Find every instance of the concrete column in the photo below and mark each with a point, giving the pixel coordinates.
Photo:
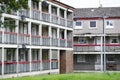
(41, 60)
(65, 16)
(50, 57)
(50, 10)
(65, 35)
(50, 34)
(58, 14)
(58, 59)
(40, 9)
(2, 60)
(17, 30)
(40, 33)
(2, 26)
(101, 53)
(30, 59)
(58, 36)
(29, 31)
(30, 7)
(17, 59)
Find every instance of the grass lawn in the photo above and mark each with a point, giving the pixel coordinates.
(75, 76)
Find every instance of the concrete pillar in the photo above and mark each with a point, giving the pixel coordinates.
(58, 14)
(2, 60)
(65, 16)
(30, 59)
(58, 36)
(101, 53)
(17, 59)
(40, 33)
(50, 56)
(40, 9)
(41, 60)
(65, 35)
(50, 10)
(30, 7)
(29, 31)
(17, 30)
(50, 35)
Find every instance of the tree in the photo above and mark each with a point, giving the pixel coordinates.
(6, 6)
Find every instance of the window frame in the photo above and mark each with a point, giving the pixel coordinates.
(79, 27)
(90, 24)
(114, 38)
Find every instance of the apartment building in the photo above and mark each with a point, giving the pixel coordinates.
(40, 43)
(97, 39)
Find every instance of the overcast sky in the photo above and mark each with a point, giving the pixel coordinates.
(92, 3)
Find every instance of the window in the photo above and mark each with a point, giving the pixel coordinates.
(92, 24)
(78, 25)
(114, 40)
(109, 24)
(82, 40)
(80, 58)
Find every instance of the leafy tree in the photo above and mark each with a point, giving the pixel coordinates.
(6, 6)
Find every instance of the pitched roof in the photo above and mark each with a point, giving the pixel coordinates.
(97, 12)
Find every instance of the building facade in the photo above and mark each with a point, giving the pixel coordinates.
(97, 39)
(40, 43)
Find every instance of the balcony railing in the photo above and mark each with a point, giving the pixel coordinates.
(69, 23)
(10, 67)
(62, 21)
(62, 42)
(54, 42)
(35, 14)
(54, 64)
(35, 40)
(45, 17)
(24, 12)
(45, 40)
(96, 48)
(45, 64)
(23, 66)
(24, 38)
(10, 37)
(54, 19)
(35, 65)
(69, 43)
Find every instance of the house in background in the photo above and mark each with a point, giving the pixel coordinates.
(89, 38)
(41, 42)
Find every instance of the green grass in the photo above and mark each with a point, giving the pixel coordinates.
(75, 76)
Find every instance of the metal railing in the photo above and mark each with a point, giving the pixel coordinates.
(35, 65)
(54, 19)
(24, 38)
(35, 14)
(62, 42)
(24, 12)
(23, 66)
(10, 37)
(10, 67)
(45, 40)
(45, 64)
(45, 17)
(54, 64)
(35, 40)
(54, 42)
(62, 21)
(69, 43)
(69, 23)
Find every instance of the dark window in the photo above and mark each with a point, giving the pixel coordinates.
(92, 23)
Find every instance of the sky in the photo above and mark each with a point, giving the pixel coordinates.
(91, 3)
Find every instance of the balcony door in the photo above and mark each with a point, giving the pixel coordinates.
(98, 43)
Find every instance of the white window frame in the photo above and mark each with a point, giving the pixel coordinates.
(78, 27)
(109, 26)
(80, 58)
(114, 38)
(90, 23)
